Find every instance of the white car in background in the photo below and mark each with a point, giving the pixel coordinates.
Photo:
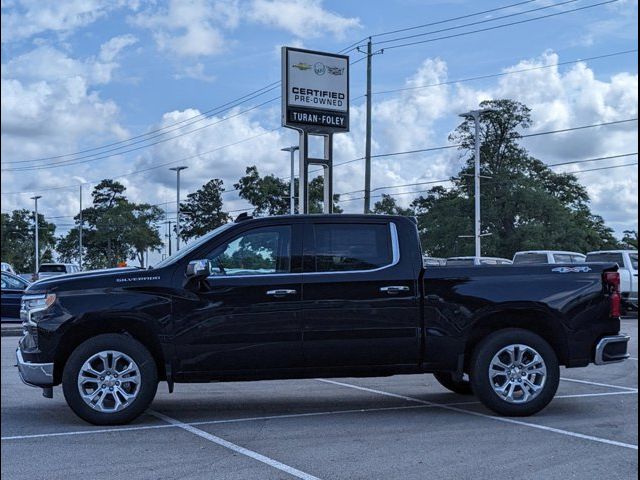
(433, 261)
(547, 256)
(47, 270)
(627, 261)
(471, 261)
(6, 267)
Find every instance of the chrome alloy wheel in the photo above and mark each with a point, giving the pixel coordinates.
(109, 381)
(517, 373)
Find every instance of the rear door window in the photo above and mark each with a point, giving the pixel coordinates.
(634, 260)
(524, 258)
(341, 247)
(562, 258)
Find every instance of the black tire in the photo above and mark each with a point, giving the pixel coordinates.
(447, 380)
(146, 389)
(481, 362)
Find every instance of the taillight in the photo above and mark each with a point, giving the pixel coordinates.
(612, 281)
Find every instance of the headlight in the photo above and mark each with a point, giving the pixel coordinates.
(32, 304)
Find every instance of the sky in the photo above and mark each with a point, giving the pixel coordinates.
(127, 89)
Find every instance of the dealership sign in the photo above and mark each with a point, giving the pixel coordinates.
(315, 91)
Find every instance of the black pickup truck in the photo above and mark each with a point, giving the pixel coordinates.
(308, 296)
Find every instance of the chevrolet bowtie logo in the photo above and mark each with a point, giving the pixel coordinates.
(302, 66)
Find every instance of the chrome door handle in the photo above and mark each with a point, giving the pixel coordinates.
(394, 289)
(283, 292)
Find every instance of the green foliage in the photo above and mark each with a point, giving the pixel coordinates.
(630, 240)
(18, 234)
(202, 212)
(387, 205)
(114, 229)
(525, 204)
(271, 195)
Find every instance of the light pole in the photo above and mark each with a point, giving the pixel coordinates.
(291, 149)
(178, 170)
(475, 114)
(37, 255)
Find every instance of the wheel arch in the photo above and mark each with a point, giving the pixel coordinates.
(539, 322)
(133, 327)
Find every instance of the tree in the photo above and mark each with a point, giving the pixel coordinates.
(114, 229)
(202, 212)
(270, 195)
(630, 240)
(525, 204)
(18, 234)
(388, 206)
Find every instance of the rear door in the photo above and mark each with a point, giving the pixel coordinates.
(360, 300)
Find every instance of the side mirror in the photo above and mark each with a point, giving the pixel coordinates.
(198, 269)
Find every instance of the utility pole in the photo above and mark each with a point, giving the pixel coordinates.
(37, 254)
(169, 222)
(292, 149)
(80, 231)
(178, 170)
(475, 115)
(367, 146)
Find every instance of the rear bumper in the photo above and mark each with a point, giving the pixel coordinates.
(34, 374)
(612, 349)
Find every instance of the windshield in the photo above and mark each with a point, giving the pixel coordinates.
(193, 246)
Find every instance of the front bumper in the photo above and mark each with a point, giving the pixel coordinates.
(612, 349)
(34, 374)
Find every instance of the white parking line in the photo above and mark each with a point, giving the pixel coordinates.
(490, 417)
(236, 448)
(282, 417)
(575, 380)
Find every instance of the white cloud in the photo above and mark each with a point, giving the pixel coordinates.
(195, 72)
(190, 28)
(33, 17)
(303, 18)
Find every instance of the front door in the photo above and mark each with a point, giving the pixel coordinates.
(247, 316)
(360, 295)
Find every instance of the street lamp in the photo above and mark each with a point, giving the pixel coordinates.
(37, 254)
(291, 149)
(475, 114)
(178, 170)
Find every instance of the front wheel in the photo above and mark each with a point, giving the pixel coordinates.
(515, 372)
(109, 379)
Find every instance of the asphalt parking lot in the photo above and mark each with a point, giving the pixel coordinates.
(403, 427)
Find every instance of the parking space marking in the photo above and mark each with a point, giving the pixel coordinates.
(630, 389)
(236, 448)
(284, 416)
(490, 417)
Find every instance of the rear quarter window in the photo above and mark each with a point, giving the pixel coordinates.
(607, 258)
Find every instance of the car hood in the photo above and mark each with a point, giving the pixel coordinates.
(109, 277)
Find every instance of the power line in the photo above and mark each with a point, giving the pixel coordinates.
(439, 22)
(501, 74)
(219, 109)
(479, 22)
(77, 161)
(500, 26)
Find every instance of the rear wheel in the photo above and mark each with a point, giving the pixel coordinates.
(515, 372)
(448, 381)
(109, 379)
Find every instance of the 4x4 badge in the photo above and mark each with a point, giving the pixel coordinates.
(571, 269)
